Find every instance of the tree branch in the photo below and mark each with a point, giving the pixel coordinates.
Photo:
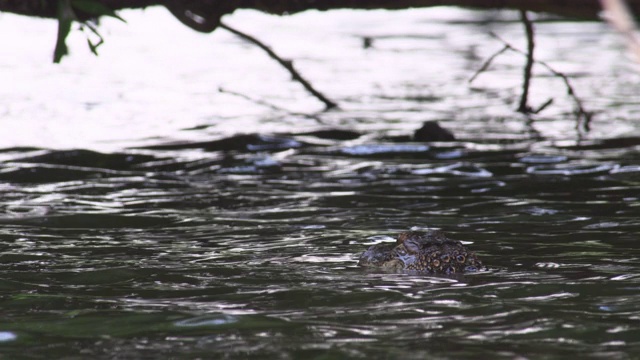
(528, 26)
(287, 64)
(583, 9)
(584, 117)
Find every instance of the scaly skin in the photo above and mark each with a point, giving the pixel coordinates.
(429, 252)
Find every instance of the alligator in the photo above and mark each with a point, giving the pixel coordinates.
(418, 251)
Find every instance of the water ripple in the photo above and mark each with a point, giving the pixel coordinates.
(458, 169)
(374, 149)
(570, 169)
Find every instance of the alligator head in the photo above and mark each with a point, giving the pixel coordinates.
(430, 252)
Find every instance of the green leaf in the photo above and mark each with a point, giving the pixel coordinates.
(94, 7)
(65, 18)
(93, 46)
(64, 27)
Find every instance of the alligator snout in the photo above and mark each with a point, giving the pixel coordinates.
(429, 252)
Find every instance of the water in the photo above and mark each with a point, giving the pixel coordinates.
(113, 246)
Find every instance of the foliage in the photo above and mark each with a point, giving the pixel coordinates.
(66, 13)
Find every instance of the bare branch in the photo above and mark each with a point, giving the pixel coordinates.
(269, 105)
(487, 63)
(584, 116)
(528, 26)
(285, 63)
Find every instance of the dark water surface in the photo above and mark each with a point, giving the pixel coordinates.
(245, 246)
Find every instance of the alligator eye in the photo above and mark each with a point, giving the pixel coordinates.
(446, 258)
(460, 259)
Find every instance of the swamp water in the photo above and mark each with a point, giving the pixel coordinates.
(245, 246)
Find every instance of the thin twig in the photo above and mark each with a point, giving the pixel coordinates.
(487, 63)
(269, 105)
(528, 26)
(543, 106)
(285, 63)
(249, 98)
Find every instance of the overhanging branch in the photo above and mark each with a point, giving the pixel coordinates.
(583, 9)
